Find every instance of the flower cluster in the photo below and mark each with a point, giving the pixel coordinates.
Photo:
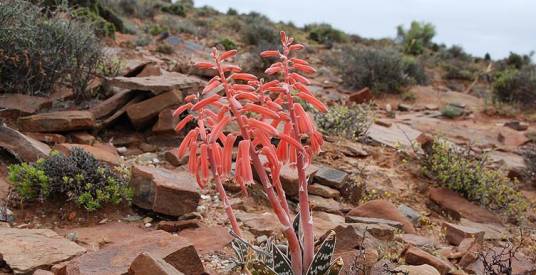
(270, 124)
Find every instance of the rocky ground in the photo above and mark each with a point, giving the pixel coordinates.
(386, 213)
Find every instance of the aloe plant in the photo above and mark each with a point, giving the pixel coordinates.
(259, 109)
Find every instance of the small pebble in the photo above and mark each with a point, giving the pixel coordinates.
(147, 225)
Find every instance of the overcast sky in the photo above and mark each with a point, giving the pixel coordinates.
(480, 26)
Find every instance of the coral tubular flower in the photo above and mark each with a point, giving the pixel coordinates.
(206, 101)
(261, 110)
(227, 54)
(232, 68)
(298, 61)
(191, 136)
(190, 98)
(267, 54)
(296, 47)
(313, 101)
(304, 68)
(211, 86)
(183, 123)
(227, 156)
(243, 76)
(218, 128)
(181, 109)
(261, 125)
(204, 65)
(302, 88)
(300, 78)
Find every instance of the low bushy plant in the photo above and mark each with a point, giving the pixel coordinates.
(227, 44)
(258, 30)
(175, 8)
(459, 69)
(110, 67)
(78, 177)
(325, 34)
(382, 70)
(516, 86)
(417, 38)
(351, 122)
(38, 51)
(456, 169)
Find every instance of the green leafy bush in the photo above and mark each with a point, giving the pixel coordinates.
(458, 69)
(418, 37)
(351, 122)
(175, 8)
(382, 70)
(325, 34)
(456, 169)
(228, 44)
(110, 67)
(30, 44)
(451, 111)
(529, 153)
(258, 30)
(516, 86)
(102, 27)
(78, 177)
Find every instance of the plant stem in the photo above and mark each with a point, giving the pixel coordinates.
(223, 195)
(305, 214)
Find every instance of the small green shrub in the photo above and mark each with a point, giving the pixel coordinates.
(258, 30)
(325, 34)
(516, 86)
(351, 122)
(38, 52)
(155, 29)
(165, 48)
(382, 70)
(529, 153)
(417, 38)
(136, 8)
(408, 96)
(102, 27)
(458, 170)
(451, 111)
(175, 8)
(142, 41)
(517, 61)
(228, 44)
(458, 69)
(78, 177)
(110, 67)
(232, 12)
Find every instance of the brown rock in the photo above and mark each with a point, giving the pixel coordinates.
(470, 253)
(323, 191)
(116, 259)
(150, 69)
(517, 125)
(23, 147)
(176, 226)
(47, 137)
(416, 256)
(157, 84)
(417, 270)
(450, 203)
(260, 223)
(456, 233)
(172, 157)
(24, 104)
(120, 112)
(173, 193)
(382, 209)
(289, 178)
(99, 153)
(42, 272)
(318, 203)
(365, 220)
(82, 138)
(350, 237)
(207, 239)
(365, 258)
(361, 96)
(112, 104)
(142, 113)
(58, 121)
(166, 122)
(25, 250)
(148, 148)
(4, 188)
(146, 264)
(416, 240)
(323, 222)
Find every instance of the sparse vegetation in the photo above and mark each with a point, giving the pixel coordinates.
(258, 30)
(227, 44)
(78, 177)
(516, 86)
(30, 43)
(110, 67)
(325, 34)
(456, 169)
(351, 122)
(382, 70)
(175, 8)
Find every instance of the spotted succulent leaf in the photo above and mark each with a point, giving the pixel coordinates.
(322, 259)
(281, 262)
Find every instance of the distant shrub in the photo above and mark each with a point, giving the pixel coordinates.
(450, 111)
(517, 61)
(529, 154)
(351, 122)
(136, 8)
(232, 12)
(325, 34)
(454, 52)
(418, 37)
(155, 29)
(258, 30)
(458, 69)
(227, 44)
(516, 86)
(165, 48)
(38, 52)
(382, 70)
(458, 170)
(408, 96)
(207, 11)
(175, 8)
(78, 177)
(102, 27)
